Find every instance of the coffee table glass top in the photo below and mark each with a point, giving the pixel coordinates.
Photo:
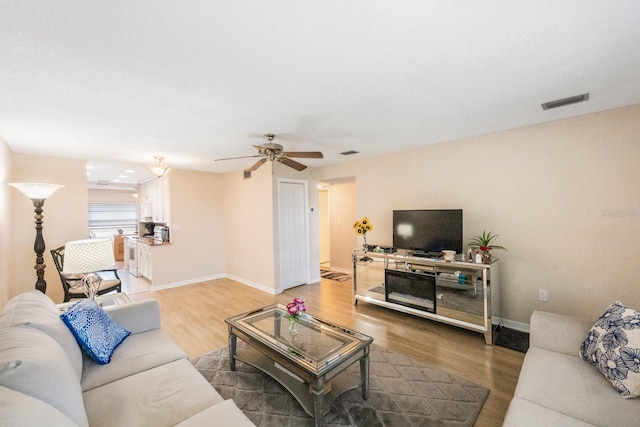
(318, 343)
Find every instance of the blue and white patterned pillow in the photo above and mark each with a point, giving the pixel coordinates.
(96, 332)
(613, 347)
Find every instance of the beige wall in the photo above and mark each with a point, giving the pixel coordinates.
(65, 217)
(111, 196)
(565, 197)
(6, 225)
(249, 231)
(342, 215)
(197, 230)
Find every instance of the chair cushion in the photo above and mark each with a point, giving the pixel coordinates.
(613, 347)
(96, 332)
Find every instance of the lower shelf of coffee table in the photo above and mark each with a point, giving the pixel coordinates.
(299, 388)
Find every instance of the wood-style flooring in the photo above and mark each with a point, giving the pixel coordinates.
(194, 316)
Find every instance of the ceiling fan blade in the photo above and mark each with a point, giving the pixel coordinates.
(256, 165)
(305, 154)
(292, 164)
(233, 158)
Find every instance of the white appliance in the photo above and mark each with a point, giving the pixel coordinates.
(132, 256)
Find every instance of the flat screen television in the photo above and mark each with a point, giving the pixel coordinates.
(429, 231)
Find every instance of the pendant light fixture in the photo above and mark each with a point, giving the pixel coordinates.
(158, 168)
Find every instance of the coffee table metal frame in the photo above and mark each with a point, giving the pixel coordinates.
(311, 365)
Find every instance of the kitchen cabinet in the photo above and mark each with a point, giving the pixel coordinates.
(144, 260)
(154, 199)
(118, 247)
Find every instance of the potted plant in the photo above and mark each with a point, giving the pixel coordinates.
(484, 243)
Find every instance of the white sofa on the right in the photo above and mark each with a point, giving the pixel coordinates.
(558, 388)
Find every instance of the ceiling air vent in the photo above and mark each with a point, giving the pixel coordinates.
(565, 101)
(350, 152)
(103, 182)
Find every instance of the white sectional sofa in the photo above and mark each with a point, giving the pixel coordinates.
(558, 388)
(46, 379)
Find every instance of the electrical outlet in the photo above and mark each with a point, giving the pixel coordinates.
(542, 295)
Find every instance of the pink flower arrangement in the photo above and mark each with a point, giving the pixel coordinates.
(296, 308)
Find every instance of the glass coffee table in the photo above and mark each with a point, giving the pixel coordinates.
(311, 364)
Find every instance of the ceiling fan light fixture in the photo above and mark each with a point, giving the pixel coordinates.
(158, 168)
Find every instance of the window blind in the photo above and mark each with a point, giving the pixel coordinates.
(106, 218)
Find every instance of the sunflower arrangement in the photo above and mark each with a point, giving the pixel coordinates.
(362, 227)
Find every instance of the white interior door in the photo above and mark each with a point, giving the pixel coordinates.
(292, 207)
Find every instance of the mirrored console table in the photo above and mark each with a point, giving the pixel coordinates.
(458, 293)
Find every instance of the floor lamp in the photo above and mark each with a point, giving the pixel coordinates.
(38, 193)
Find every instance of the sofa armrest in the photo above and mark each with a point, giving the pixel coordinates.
(137, 317)
(557, 332)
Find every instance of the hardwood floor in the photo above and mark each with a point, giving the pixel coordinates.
(194, 316)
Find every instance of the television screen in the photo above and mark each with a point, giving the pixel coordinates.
(428, 231)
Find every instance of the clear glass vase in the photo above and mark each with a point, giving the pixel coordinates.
(293, 326)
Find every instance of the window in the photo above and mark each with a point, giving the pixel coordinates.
(106, 218)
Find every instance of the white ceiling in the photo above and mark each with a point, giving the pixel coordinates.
(117, 82)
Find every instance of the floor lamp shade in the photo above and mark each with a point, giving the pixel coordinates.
(38, 193)
(36, 190)
(88, 256)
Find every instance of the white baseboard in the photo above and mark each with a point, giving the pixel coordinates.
(315, 280)
(185, 282)
(511, 324)
(252, 284)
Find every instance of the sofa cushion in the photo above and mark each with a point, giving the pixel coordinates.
(19, 409)
(613, 347)
(96, 332)
(36, 310)
(570, 386)
(139, 352)
(33, 363)
(223, 414)
(523, 413)
(162, 396)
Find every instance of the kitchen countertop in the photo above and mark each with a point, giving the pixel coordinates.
(151, 242)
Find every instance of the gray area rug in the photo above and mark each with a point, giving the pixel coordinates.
(402, 392)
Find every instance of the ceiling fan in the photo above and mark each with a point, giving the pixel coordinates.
(273, 152)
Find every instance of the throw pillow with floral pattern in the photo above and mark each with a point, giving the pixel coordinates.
(613, 347)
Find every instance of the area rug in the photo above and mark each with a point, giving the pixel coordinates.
(335, 275)
(512, 339)
(402, 392)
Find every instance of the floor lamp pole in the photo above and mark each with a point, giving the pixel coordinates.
(39, 247)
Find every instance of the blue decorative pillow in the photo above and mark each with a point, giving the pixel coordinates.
(613, 347)
(96, 332)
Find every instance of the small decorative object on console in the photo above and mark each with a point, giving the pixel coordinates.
(295, 309)
(362, 227)
(484, 244)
